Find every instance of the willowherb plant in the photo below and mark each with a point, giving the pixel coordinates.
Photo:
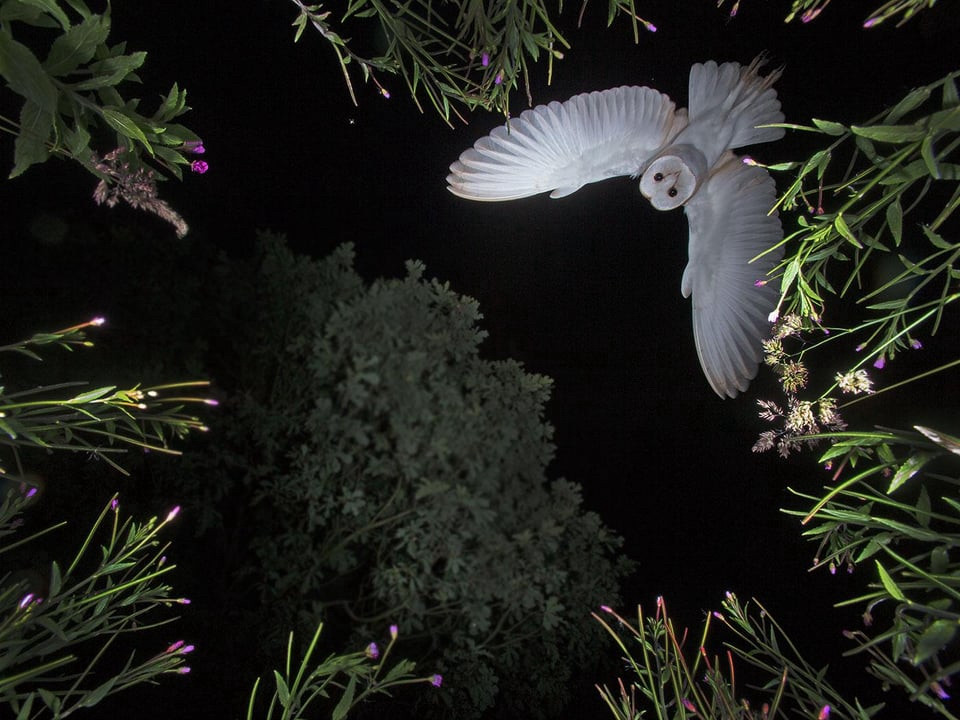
(101, 597)
(457, 53)
(55, 56)
(808, 10)
(103, 421)
(356, 677)
(676, 675)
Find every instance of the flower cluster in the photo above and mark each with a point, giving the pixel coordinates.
(799, 418)
(135, 186)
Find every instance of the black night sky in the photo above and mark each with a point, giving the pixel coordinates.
(585, 289)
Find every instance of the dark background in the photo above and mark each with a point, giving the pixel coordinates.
(585, 289)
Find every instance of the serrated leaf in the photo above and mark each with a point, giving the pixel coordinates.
(111, 71)
(24, 74)
(910, 467)
(829, 127)
(888, 583)
(936, 239)
(125, 126)
(346, 700)
(76, 46)
(889, 133)
(30, 147)
(934, 639)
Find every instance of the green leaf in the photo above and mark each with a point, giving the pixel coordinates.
(125, 126)
(934, 639)
(889, 585)
(76, 46)
(283, 692)
(25, 75)
(926, 152)
(111, 71)
(30, 147)
(48, 7)
(91, 395)
(55, 580)
(950, 97)
(914, 99)
(346, 701)
(94, 696)
(947, 442)
(910, 467)
(939, 560)
(841, 226)
(936, 239)
(830, 127)
(895, 220)
(890, 133)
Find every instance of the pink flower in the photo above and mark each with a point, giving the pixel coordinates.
(436, 680)
(372, 651)
(394, 631)
(485, 59)
(199, 167)
(880, 362)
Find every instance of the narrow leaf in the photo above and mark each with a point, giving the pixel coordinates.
(830, 127)
(889, 585)
(890, 133)
(895, 220)
(126, 127)
(914, 99)
(346, 701)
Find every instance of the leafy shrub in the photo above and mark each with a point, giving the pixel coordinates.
(396, 476)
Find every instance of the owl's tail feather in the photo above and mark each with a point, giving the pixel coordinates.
(748, 98)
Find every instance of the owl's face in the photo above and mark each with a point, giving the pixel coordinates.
(671, 179)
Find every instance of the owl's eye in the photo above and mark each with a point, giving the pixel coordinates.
(672, 192)
(658, 177)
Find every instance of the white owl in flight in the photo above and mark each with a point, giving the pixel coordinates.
(682, 158)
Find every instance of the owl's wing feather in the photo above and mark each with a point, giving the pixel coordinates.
(729, 226)
(735, 100)
(561, 147)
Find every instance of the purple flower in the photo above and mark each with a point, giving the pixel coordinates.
(394, 630)
(373, 652)
(916, 344)
(436, 680)
(176, 646)
(183, 670)
(824, 713)
(485, 59)
(25, 600)
(199, 167)
(499, 78)
(880, 362)
(194, 146)
(33, 491)
(173, 513)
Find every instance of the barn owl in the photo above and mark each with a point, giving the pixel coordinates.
(682, 157)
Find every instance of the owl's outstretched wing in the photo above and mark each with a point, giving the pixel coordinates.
(729, 226)
(561, 147)
(726, 105)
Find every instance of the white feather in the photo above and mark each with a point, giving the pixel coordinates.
(729, 226)
(561, 147)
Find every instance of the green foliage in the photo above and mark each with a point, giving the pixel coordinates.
(55, 55)
(892, 509)
(899, 514)
(455, 53)
(353, 677)
(868, 215)
(54, 646)
(679, 680)
(397, 476)
(807, 10)
(98, 421)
